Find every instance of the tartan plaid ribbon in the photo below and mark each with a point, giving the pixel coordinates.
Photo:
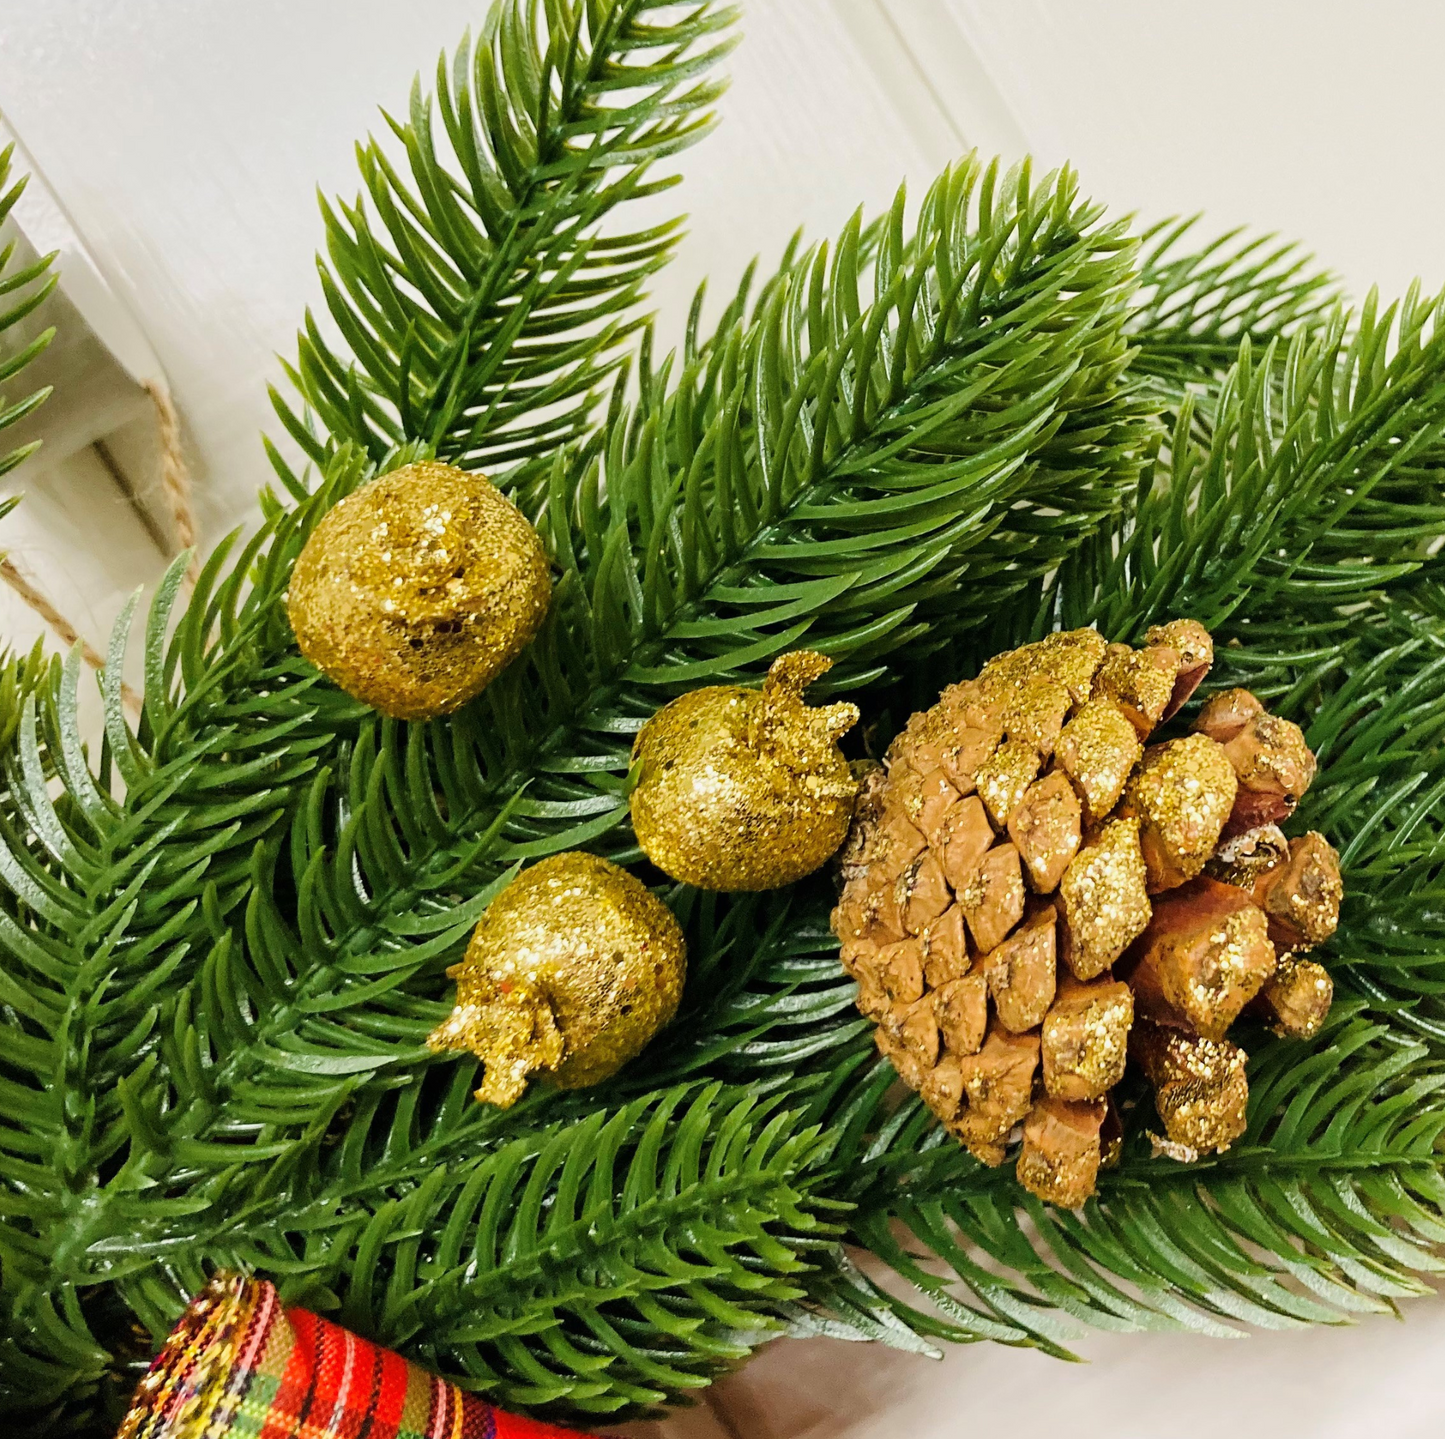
(239, 1366)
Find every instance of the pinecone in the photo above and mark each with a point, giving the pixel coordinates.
(1031, 897)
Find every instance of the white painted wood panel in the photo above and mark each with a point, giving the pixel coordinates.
(188, 139)
(1320, 119)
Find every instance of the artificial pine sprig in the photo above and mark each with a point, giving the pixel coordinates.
(479, 303)
(1330, 1205)
(225, 929)
(23, 289)
(1195, 307)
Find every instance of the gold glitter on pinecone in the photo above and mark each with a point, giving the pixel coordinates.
(572, 970)
(745, 789)
(1033, 895)
(414, 592)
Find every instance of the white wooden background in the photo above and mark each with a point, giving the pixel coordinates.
(181, 141)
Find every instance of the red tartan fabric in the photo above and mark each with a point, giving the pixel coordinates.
(239, 1366)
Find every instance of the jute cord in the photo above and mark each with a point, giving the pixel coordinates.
(66, 632)
(176, 477)
(176, 483)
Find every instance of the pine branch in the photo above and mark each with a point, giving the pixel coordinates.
(107, 905)
(20, 677)
(1196, 308)
(225, 940)
(601, 1265)
(360, 951)
(730, 526)
(1332, 1204)
(151, 863)
(1305, 494)
(187, 824)
(313, 1007)
(150, 1146)
(480, 298)
(23, 289)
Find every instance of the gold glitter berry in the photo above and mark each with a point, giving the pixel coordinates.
(572, 970)
(745, 789)
(414, 592)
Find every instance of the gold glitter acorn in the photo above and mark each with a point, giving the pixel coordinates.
(572, 970)
(1030, 896)
(745, 789)
(414, 592)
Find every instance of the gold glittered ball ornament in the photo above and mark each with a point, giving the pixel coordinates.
(744, 789)
(572, 970)
(414, 592)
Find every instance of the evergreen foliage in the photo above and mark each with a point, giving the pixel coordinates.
(225, 927)
(23, 289)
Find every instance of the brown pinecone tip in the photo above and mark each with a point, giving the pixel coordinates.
(1032, 895)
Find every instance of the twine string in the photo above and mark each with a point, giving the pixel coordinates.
(65, 632)
(176, 477)
(176, 484)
